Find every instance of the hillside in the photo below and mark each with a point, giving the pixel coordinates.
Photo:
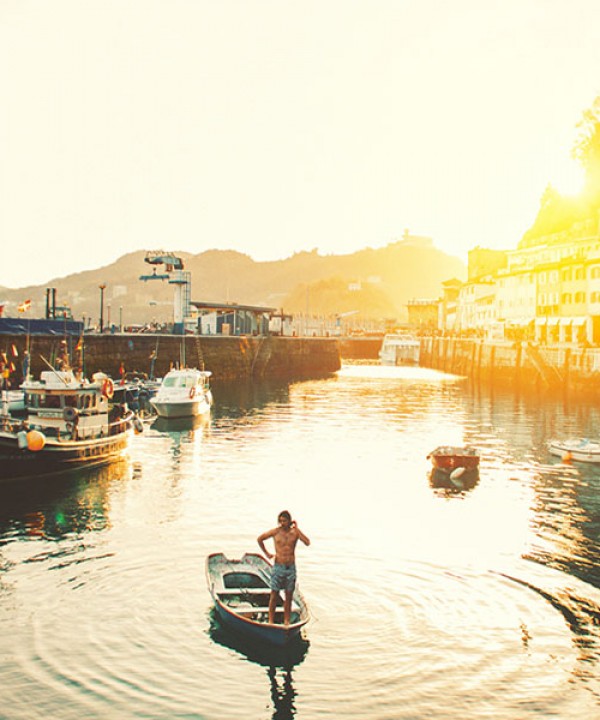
(387, 278)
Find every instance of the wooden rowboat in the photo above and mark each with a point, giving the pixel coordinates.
(240, 590)
(450, 457)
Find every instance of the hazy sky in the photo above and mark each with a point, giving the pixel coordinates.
(271, 127)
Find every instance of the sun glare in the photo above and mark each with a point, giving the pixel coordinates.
(568, 178)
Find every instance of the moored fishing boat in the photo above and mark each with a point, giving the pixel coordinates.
(68, 423)
(240, 590)
(183, 393)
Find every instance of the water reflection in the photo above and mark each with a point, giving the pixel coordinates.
(278, 661)
(451, 483)
(75, 502)
(182, 431)
(248, 398)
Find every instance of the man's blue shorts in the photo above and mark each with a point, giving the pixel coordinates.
(283, 577)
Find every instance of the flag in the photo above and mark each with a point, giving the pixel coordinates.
(24, 306)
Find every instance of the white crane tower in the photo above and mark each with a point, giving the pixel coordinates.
(175, 275)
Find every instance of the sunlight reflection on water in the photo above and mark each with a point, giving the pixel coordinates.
(427, 601)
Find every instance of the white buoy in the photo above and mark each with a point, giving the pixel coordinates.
(455, 476)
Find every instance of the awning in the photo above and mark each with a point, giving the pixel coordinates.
(566, 321)
(553, 320)
(540, 320)
(579, 321)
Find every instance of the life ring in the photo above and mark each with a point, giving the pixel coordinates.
(70, 414)
(192, 393)
(108, 388)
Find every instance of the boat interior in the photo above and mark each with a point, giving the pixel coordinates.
(248, 595)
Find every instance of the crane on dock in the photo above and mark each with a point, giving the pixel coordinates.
(175, 275)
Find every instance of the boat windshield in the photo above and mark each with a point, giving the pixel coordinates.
(179, 381)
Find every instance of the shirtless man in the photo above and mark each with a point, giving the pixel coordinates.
(285, 536)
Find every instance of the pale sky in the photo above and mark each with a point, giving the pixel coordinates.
(272, 127)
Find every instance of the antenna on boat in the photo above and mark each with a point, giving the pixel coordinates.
(54, 370)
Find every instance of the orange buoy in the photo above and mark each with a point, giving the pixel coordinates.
(35, 440)
(567, 457)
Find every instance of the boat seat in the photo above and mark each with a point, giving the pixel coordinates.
(252, 611)
(244, 591)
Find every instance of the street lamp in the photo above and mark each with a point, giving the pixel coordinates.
(102, 289)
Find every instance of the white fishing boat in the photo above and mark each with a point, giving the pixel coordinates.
(400, 349)
(68, 423)
(580, 449)
(183, 393)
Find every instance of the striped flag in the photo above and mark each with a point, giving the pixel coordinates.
(24, 306)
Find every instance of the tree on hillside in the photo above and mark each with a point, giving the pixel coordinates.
(334, 295)
(558, 213)
(587, 151)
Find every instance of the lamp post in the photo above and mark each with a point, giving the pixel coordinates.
(102, 289)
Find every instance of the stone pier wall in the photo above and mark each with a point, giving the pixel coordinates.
(228, 358)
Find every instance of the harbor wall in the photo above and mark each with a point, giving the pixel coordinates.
(228, 358)
(522, 366)
(360, 348)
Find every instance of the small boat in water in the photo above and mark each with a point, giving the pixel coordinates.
(580, 449)
(183, 393)
(400, 349)
(240, 590)
(68, 423)
(450, 457)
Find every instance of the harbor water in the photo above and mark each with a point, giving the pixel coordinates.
(427, 601)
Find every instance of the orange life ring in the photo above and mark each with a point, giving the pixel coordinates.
(192, 392)
(108, 388)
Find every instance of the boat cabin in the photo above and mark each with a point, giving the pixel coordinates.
(59, 404)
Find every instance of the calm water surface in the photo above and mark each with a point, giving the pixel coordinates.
(427, 602)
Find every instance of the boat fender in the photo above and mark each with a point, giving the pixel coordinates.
(22, 439)
(108, 388)
(456, 475)
(70, 414)
(35, 440)
(192, 392)
(567, 457)
(138, 425)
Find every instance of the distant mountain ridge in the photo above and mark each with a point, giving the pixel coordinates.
(383, 280)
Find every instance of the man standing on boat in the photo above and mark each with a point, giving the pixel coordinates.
(285, 536)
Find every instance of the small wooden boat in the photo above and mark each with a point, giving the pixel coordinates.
(450, 457)
(240, 590)
(580, 449)
(183, 393)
